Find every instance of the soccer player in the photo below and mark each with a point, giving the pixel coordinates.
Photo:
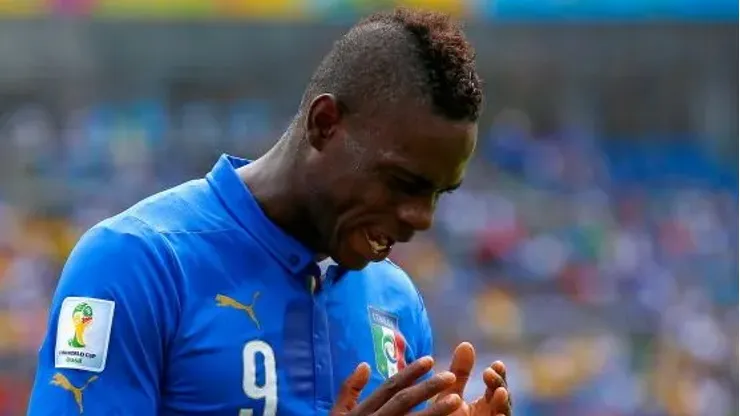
(264, 288)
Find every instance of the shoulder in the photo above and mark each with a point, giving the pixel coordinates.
(393, 291)
(394, 283)
(155, 226)
(118, 237)
(114, 254)
(127, 252)
(393, 277)
(188, 208)
(124, 261)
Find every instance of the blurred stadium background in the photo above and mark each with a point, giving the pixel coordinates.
(593, 247)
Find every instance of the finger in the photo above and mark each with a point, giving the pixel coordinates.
(502, 402)
(415, 395)
(500, 368)
(393, 385)
(446, 406)
(493, 381)
(351, 389)
(463, 360)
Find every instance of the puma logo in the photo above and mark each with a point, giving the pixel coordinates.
(228, 302)
(60, 380)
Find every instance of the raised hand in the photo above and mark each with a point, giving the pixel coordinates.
(399, 394)
(495, 402)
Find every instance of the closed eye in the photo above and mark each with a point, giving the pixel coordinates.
(409, 187)
(412, 184)
(444, 192)
(451, 189)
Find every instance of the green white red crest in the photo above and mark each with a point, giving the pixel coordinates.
(389, 344)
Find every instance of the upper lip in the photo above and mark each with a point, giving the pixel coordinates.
(390, 237)
(393, 239)
(380, 236)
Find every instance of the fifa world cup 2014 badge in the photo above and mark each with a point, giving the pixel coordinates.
(82, 317)
(389, 344)
(83, 333)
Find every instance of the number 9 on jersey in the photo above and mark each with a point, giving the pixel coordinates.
(268, 390)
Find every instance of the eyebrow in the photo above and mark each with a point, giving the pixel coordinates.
(426, 182)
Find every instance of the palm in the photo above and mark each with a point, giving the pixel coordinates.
(465, 410)
(480, 407)
(475, 408)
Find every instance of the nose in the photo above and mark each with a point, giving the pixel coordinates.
(418, 214)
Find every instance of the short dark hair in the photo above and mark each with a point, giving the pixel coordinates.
(401, 55)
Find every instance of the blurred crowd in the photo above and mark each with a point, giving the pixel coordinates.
(606, 294)
(603, 272)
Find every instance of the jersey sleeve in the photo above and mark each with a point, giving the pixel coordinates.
(110, 320)
(424, 342)
(426, 338)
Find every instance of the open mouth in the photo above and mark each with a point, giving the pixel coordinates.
(379, 243)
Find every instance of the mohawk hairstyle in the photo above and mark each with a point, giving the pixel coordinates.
(402, 55)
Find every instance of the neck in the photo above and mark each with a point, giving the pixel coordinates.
(272, 179)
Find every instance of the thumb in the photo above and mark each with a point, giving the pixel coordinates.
(351, 389)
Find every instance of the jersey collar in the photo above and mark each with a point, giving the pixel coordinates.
(242, 205)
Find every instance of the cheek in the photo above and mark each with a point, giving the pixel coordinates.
(374, 197)
(355, 191)
(363, 202)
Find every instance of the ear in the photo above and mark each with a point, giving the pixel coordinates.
(322, 121)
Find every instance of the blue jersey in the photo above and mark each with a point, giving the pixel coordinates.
(193, 302)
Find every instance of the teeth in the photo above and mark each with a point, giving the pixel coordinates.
(378, 246)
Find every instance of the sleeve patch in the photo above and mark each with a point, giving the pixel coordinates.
(83, 333)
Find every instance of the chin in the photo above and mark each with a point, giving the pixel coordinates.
(354, 263)
(350, 259)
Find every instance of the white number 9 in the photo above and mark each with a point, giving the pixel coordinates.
(267, 391)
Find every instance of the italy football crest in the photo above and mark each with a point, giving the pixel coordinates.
(389, 344)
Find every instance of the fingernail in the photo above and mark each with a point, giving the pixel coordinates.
(426, 360)
(452, 399)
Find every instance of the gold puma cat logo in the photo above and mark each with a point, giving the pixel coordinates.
(227, 302)
(60, 380)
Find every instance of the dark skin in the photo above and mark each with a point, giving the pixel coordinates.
(387, 180)
(399, 394)
(339, 179)
(343, 177)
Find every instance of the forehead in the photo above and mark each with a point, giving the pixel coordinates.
(428, 145)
